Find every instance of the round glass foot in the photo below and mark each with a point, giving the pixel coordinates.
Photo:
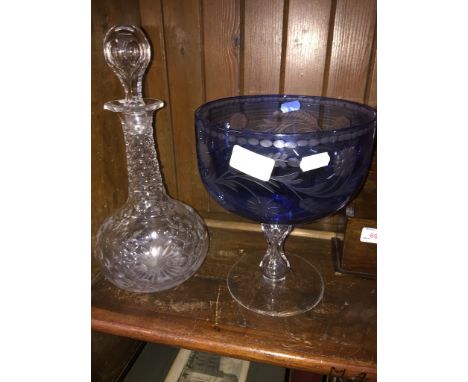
(300, 291)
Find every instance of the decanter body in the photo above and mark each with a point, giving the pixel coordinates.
(153, 242)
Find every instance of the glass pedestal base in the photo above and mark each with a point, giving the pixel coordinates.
(300, 291)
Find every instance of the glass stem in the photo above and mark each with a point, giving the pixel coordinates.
(144, 176)
(274, 264)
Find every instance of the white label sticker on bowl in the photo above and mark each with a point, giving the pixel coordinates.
(251, 163)
(312, 162)
(369, 235)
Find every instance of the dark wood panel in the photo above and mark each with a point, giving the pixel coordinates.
(221, 43)
(182, 25)
(372, 98)
(200, 314)
(221, 35)
(359, 256)
(371, 86)
(353, 34)
(156, 86)
(306, 48)
(365, 203)
(263, 31)
(111, 356)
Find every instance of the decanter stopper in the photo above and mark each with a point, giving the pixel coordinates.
(127, 52)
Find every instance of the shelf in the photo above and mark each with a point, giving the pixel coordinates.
(201, 314)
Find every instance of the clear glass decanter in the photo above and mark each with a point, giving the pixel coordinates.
(152, 242)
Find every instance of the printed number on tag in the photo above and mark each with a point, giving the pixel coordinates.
(369, 235)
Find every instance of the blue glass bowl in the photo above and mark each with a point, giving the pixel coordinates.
(292, 187)
(286, 128)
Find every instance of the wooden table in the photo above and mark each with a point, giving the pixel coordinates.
(201, 314)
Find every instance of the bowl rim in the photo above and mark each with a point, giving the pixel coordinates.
(342, 130)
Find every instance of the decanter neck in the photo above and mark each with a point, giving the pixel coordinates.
(144, 175)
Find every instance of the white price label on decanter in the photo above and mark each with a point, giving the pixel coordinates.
(251, 163)
(312, 162)
(369, 235)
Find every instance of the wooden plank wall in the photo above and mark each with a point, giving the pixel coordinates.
(208, 49)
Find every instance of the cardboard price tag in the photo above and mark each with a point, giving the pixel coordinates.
(251, 163)
(369, 235)
(314, 161)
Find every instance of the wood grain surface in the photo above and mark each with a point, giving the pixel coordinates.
(359, 256)
(351, 49)
(200, 314)
(263, 37)
(157, 86)
(306, 48)
(221, 49)
(111, 356)
(331, 226)
(183, 34)
(365, 203)
(372, 97)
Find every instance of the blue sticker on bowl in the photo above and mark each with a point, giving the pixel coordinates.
(290, 106)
